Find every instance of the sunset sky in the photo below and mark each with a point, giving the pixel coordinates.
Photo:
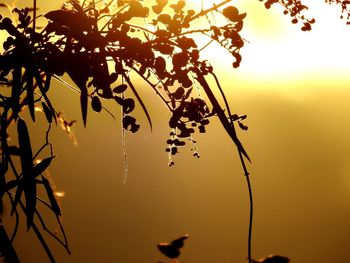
(295, 88)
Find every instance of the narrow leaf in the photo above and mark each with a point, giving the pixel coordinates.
(43, 92)
(42, 166)
(138, 99)
(14, 150)
(188, 93)
(11, 184)
(26, 156)
(18, 196)
(30, 93)
(84, 103)
(25, 147)
(220, 112)
(47, 112)
(6, 248)
(47, 83)
(16, 90)
(54, 205)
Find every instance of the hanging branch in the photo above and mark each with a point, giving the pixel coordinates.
(96, 49)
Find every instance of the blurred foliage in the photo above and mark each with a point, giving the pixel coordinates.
(103, 46)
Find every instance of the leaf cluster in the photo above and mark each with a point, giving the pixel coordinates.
(293, 8)
(345, 8)
(103, 46)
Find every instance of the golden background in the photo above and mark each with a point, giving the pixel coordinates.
(294, 87)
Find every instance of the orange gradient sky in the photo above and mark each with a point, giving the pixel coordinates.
(295, 88)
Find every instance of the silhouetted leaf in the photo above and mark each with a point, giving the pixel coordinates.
(232, 14)
(139, 100)
(47, 112)
(11, 184)
(30, 93)
(47, 82)
(129, 123)
(306, 27)
(14, 150)
(137, 9)
(179, 6)
(165, 19)
(43, 92)
(6, 248)
(177, 114)
(74, 20)
(186, 43)
(16, 89)
(18, 196)
(84, 103)
(242, 126)
(238, 58)
(188, 93)
(105, 93)
(29, 185)
(113, 77)
(128, 105)
(220, 112)
(239, 25)
(120, 88)
(180, 60)
(157, 9)
(165, 49)
(177, 142)
(119, 100)
(54, 205)
(42, 166)
(178, 94)
(172, 250)
(96, 104)
(142, 70)
(24, 146)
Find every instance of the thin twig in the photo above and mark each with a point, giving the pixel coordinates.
(138, 98)
(40, 237)
(15, 229)
(204, 12)
(58, 221)
(229, 127)
(78, 91)
(245, 173)
(153, 86)
(206, 45)
(50, 233)
(220, 112)
(46, 144)
(112, 17)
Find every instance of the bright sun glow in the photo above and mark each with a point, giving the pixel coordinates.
(277, 48)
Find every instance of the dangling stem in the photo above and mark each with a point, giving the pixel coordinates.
(230, 129)
(250, 220)
(34, 14)
(125, 154)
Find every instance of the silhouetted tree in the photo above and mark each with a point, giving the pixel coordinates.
(102, 46)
